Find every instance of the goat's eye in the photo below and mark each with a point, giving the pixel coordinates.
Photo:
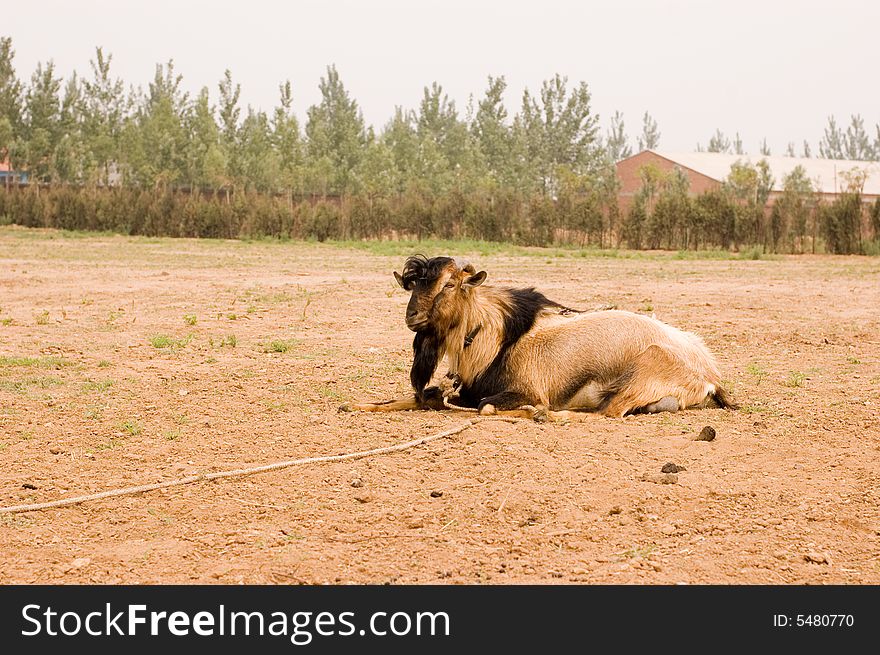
(449, 285)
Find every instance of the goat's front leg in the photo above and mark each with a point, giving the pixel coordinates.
(512, 403)
(432, 398)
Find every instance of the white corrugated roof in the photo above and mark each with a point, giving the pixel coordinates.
(826, 173)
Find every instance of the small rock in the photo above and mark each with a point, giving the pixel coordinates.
(182, 392)
(660, 478)
(28, 485)
(363, 498)
(669, 467)
(55, 450)
(357, 483)
(415, 524)
(614, 510)
(79, 562)
(706, 434)
(436, 494)
(818, 558)
(668, 529)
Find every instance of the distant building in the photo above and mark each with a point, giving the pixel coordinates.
(9, 176)
(709, 170)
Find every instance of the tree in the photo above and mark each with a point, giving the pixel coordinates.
(616, 143)
(10, 98)
(335, 132)
(42, 120)
(559, 130)
(260, 165)
(105, 114)
(287, 141)
(832, 144)
(718, 142)
(72, 160)
(806, 152)
(492, 133)
(205, 159)
(399, 136)
(650, 137)
(738, 145)
(792, 210)
(156, 136)
(856, 144)
(765, 149)
(229, 114)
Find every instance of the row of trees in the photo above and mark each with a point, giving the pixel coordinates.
(544, 175)
(664, 215)
(90, 130)
(854, 142)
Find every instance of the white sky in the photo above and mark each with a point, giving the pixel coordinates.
(764, 68)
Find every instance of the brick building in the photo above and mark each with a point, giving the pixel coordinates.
(708, 170)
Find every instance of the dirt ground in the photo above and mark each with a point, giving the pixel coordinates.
(127, 361)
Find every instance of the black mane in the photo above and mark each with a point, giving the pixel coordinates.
(420, 269)
(524, 307)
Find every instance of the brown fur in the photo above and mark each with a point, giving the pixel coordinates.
(612, 362)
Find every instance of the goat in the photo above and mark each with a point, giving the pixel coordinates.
(516, 352)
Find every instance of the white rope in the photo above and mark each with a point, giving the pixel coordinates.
(448, 405)
(127, 491)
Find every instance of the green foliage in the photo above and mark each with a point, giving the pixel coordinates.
(279, 346)
(157, 161)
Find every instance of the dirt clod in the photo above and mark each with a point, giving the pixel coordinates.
(706, 434)
(818, 558)
(357, 483)
(436, 494)
(669, 467)
(28, 485)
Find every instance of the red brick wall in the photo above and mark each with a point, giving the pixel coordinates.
(630, 181)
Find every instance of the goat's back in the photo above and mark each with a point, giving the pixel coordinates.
(604, 344)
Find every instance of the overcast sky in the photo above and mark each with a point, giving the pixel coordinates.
(763, 68)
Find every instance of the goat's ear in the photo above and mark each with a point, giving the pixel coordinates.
(475, 280)
(399, 278)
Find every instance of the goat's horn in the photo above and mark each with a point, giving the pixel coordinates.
(464, 264)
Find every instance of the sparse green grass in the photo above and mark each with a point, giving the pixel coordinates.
(172, 435)
(229, 340)
(757, 371)
(99, 386)
(190, 319)
(279, 345)
(23, 386)
(795, 379)
(131, 427)
(164, 341)
(181, 419)
(636, 552)
(104, 364)
(38, 362)
(161, 341)
(232, 317)
(42, 318)
(7, 321)
(853, 360)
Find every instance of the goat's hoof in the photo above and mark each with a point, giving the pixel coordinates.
(488, 410)
(541, 415)
(345, 407)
